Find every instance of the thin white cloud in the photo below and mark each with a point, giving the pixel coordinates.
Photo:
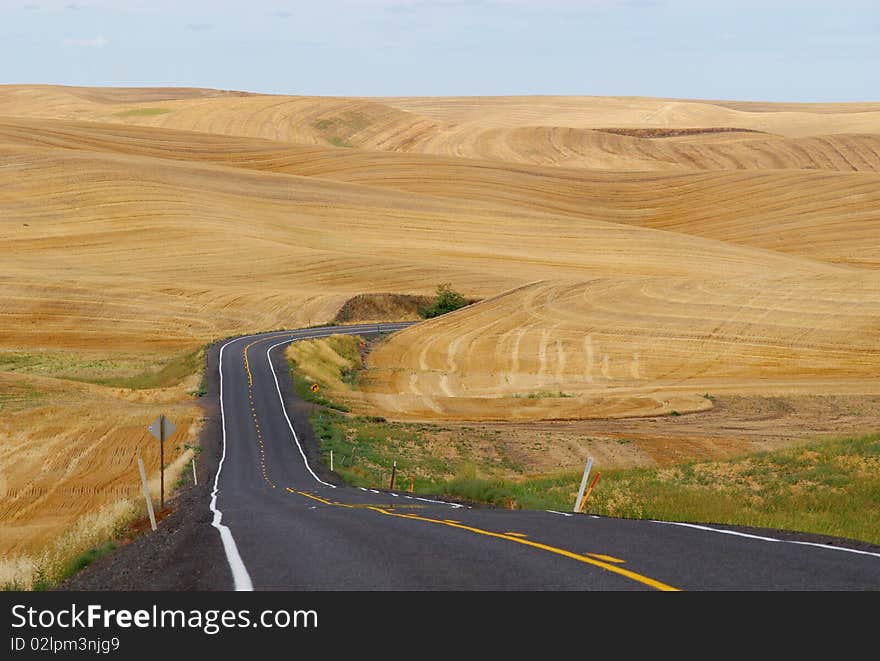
(97, 42)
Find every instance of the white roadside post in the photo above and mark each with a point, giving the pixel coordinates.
(393, 474)
(583, 485)
(146, 490)
(331, 461)
(195, 477)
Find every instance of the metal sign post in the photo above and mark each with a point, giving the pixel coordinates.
(315, 388)
(162, 428)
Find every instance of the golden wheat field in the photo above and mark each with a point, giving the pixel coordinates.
(632, 256)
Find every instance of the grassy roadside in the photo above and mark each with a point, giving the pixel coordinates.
(134, 372)
(98, 532)
(828, 487)
(430, 459)
(90, 538)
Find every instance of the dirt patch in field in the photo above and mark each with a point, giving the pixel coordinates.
(674, 132)
(736, 425)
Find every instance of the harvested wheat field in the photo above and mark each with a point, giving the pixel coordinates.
(633, 257)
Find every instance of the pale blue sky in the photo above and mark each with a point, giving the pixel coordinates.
(779, 50)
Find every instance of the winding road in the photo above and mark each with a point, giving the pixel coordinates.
(286, 523)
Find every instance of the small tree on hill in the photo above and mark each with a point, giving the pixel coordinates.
(447, 300)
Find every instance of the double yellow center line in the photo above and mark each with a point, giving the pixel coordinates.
(247, 367)
(515, 538)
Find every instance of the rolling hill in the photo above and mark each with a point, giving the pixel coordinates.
(633, 255)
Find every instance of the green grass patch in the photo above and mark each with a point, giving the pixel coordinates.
(544, 394)
(333, 363)
(348, 122)
(135, 372)
(19, 396)
(303, 388)
(544, 492)
(363, 450)
(83, 560)
(830, 488)
(171, 373)
(336, 141)
(43, 582)
(350, 376)
(142, 112)
(338, 130)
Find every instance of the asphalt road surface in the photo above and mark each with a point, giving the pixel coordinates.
(287, 523)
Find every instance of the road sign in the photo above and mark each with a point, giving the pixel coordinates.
(315, 387)
(156, 428)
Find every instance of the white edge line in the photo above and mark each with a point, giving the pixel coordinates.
(240, 577)
(439, 502)
(286, 417)
(559, 513)
(767, 539)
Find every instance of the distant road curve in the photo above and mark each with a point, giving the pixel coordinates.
(286, 523)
